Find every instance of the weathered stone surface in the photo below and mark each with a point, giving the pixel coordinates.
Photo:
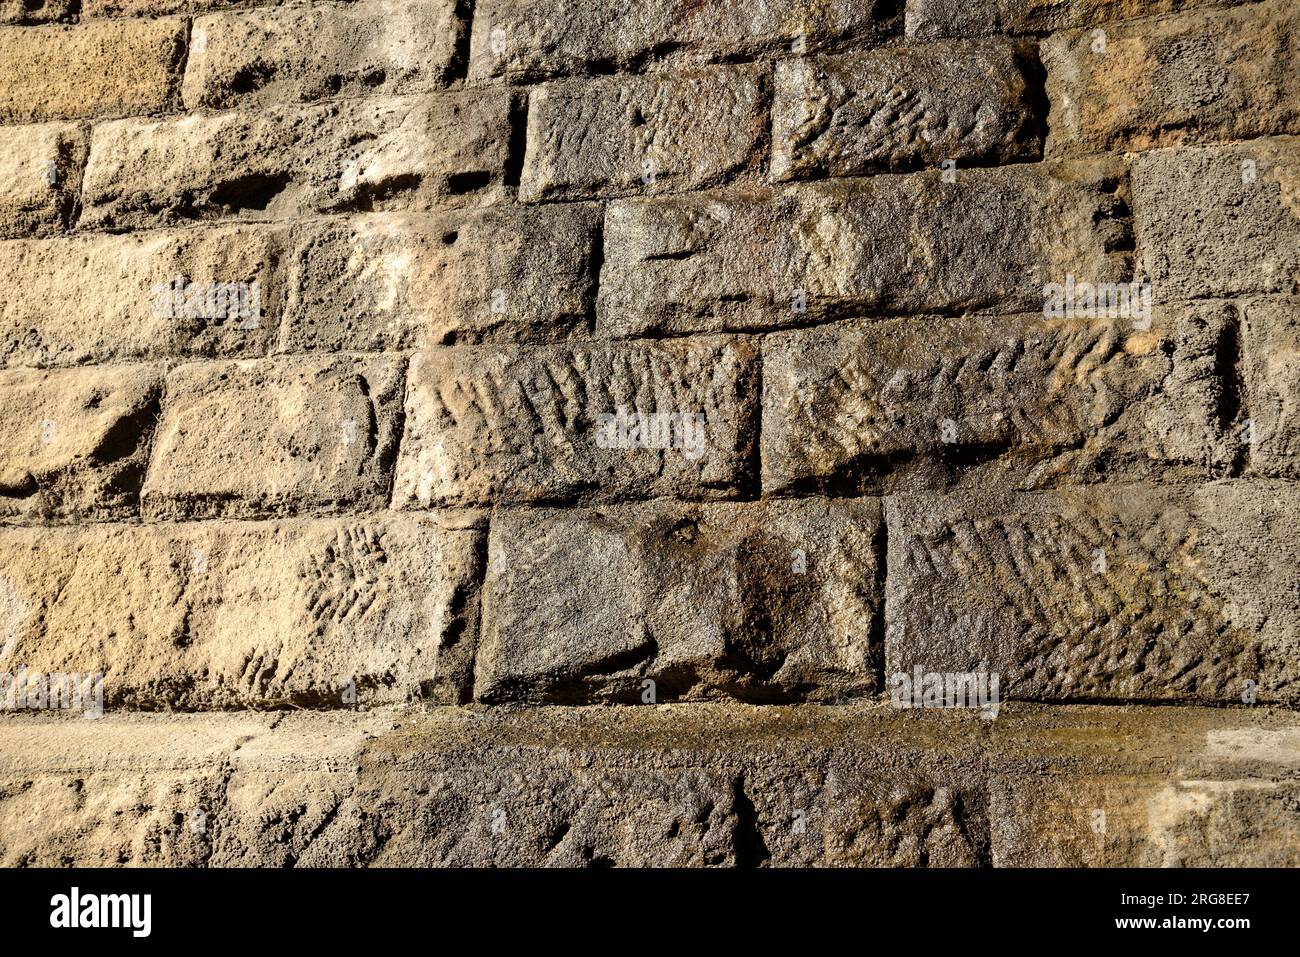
(365, 48)
(276, 436)
(395, 281)
(525, 40)
(1217, 75)
(35, 11)
(1116, 593)
(74, 442)
(1271, 368)
(645, 134)
(40, 175)
(723, 785)
(298, 613)
(117, 68)
(1219, 220)
(904, 108)
(488, 424)
(158, 8)
(759, 601)
(913, 243)
(98, 298)
(967, 18)
(385, 153)
(1023, 401)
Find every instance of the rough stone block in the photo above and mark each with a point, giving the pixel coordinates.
(1219, 75)
(904, 108)
(298, 613)
(366, 48)
(764, 602)
(1219, 220)
(35, 11)
(526, 40)
(487, 424)
(645, 134)
(1021, 401)
(885, 244)
(1271, 366)
(75, 442)
(1119, 593)
(113, 298)
(276, 436)
(968, 18)
(385, 153)
(114, 68)
(40, 175)
(400, 281)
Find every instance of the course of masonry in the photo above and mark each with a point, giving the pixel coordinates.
(514, 432)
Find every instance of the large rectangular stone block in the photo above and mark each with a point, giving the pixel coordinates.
(885, 244)
(968, 18)
(304, 613)
(366, 48)
(903, 108)
(282, 162)
(1116, 593)
(766, 602)
(1219, 220)
(115, 68)
(74, 442)
(644, 134)
(395, 281)
(526, 40)
(1271, 366)
(40, 176)
(488, 424)
(1217, 75)
(112, 298)
(276, 436)
(1022, 401)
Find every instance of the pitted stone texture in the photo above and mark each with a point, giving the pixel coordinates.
(1219, 220)
(105, 298)
(285, 54)
(526, 40)
(490, 424)
(734, 260)
(35, 11)
(158, 8)
(1272, 371)
(765, 602)
(276, 436)
(1219, 75)
(299, 613)
(643, 135)
(116, 68)
(1023, 401)
(1109, 593)
(281, 162)
(904, 108)
(40, 175)
(968, 18)
(397, 281)
(74, 442)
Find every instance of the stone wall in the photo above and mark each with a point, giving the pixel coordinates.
(519, 432)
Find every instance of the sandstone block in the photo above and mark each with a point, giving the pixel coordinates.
(1272, 371)
(385, 153)
(301, 613)
(645, 134)
(711, 261)
(968, 18)
(275, 436)
(395, 281)
(75, 442)
(367, 48)
(903, 108)
(114, 298)
(764, 602)
(1121, 593)
(111, 68)
(487, 424)
(1023, 401)
(35, 11)
(40, 175)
